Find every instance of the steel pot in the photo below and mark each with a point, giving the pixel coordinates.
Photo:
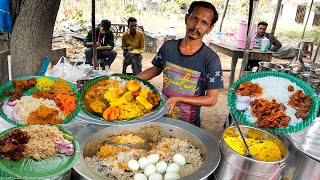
(91, 138)
(299, 166)
(236, 166)
(312, 66)
(268, 66)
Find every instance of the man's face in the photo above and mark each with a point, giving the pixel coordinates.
(103, 30)
(261, 30)
(133, 27)
(198, 22)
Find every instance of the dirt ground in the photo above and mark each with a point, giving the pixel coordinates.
(212, 118)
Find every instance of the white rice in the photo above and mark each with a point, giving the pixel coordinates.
(276, 88)
(28, 104)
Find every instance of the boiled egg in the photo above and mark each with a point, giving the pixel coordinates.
(155, 176)
(133, 165)
(143, 162)
(173, 167)
(140, 176)
(171, 176)
(241, 106)
(153, 158)
(179, 159)
(149, 169)
(244, 99)
(161, 167)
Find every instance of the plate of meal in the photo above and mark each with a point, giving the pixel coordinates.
(136, 51)
(37, 151)
(120, 99)
(39, 100)
(273, 101)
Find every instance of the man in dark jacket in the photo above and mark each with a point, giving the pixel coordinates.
(261, 33)
(104, 43)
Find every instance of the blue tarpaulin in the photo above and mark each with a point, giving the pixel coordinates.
(5, 17)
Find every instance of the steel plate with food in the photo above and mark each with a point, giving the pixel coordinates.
(166, 148)
(120, 99)
(39, 100)
(37, 151)
(274, 101)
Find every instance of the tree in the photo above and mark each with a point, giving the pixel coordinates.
(32, 35)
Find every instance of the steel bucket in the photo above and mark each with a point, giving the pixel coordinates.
(268, 66)
(236, 166)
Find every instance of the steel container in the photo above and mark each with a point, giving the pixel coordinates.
(268, 66)
(91, 138)
(299, 166)
(239, 167)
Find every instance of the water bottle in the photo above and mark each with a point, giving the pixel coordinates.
(264, 44)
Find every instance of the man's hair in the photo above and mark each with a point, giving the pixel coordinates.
(263, 23)
(132, 19)
(205, 5)
(106, 24)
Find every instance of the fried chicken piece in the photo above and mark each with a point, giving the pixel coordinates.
(290, 88)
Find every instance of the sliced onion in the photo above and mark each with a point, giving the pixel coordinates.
(57, 140)
(6, 108)
(13, 103)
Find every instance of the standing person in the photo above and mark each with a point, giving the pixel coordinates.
(104, 42)
(132, 39)
(192, 71)
(261, 33)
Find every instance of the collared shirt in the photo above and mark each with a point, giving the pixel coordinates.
(137, 42)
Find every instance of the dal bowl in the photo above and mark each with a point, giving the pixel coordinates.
(165, 127)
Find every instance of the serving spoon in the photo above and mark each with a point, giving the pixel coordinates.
(248, 154)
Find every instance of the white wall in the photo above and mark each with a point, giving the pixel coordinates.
(289, 13)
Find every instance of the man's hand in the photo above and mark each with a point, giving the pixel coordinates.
(172, 101)
(98, 44)
(130, 48)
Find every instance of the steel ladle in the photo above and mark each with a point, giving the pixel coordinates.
(248, 154)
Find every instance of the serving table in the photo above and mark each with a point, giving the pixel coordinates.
(236, 53)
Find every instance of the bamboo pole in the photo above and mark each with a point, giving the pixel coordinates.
(305, 25)
(246, 51)
(224, 14)
(274, 25)
(94, 38)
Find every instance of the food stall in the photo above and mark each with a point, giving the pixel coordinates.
(117, 134)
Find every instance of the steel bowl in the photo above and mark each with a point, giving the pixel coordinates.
(91, 138)
(268, 66)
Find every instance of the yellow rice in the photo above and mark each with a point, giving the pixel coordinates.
(44, 84)
(130, 110)
(261, 149)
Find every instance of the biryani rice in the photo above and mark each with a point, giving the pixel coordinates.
(41, 144)
(114, 167)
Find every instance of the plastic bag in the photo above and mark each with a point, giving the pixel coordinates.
(66, 71)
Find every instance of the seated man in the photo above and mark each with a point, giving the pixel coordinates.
(261, 33)
(132, 39)
(104, 43)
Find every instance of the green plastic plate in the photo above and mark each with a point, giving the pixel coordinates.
(28, 168)
(91, 82)
(232, 98)
(9, 86)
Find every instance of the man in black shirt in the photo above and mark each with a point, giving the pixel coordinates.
(104, 43)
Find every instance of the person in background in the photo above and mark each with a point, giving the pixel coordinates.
(104, 43)
(132, 46)
(192, 71)
(261, 33)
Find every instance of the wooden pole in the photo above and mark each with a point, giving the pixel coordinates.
(224, 14)
(304, 29)
(274, 25)
(94, 38)
(246, 51)
(317, 53)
